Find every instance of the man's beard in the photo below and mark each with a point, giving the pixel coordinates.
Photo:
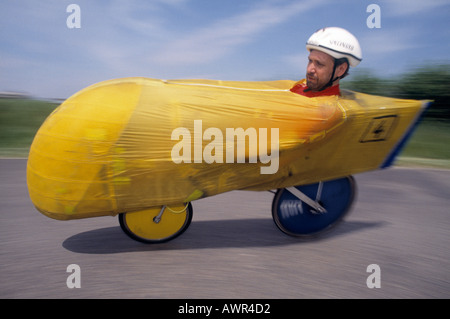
(312, 83)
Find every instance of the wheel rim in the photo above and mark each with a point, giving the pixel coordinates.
(296, 218)
(140, 225)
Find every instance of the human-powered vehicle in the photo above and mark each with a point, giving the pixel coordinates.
(145, 150)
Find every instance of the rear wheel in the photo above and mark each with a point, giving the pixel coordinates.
(158, 224)
(308, 210)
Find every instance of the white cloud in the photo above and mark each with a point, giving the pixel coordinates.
(144, 18)
(214, 41)
(383, 41)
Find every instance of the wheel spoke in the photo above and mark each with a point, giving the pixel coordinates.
(319, 191)
(304, 198)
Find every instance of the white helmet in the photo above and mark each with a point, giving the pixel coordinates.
(337, 42)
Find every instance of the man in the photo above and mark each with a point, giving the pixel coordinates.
(331, 53)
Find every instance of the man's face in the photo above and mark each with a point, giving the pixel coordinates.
(319, 69)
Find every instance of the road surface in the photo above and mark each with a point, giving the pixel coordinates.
(400, 222)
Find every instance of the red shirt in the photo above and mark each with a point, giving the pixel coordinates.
(300, 88)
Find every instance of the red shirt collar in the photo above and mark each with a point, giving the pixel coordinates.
(300, 88)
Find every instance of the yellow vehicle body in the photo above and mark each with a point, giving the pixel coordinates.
(136, 143)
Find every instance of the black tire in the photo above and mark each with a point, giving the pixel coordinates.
(296, 218)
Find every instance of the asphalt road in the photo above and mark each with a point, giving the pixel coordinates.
(400, 222)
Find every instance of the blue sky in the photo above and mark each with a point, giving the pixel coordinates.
(244, 40)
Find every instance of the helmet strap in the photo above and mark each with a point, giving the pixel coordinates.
(332, 78)
(337, 62)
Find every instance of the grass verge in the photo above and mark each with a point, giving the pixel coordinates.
(20, 119)
(429, 146)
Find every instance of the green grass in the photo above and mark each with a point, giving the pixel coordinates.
(19, 121)
(21, 118)
(428, 146)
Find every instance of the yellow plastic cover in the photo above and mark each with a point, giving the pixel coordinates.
(134, 143)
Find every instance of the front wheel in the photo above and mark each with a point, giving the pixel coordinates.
(311, 209)
(158, 224)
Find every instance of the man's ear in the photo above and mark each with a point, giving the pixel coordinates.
(341, 69)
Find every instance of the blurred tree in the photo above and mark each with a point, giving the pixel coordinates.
(364, 81)
(430, 82)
